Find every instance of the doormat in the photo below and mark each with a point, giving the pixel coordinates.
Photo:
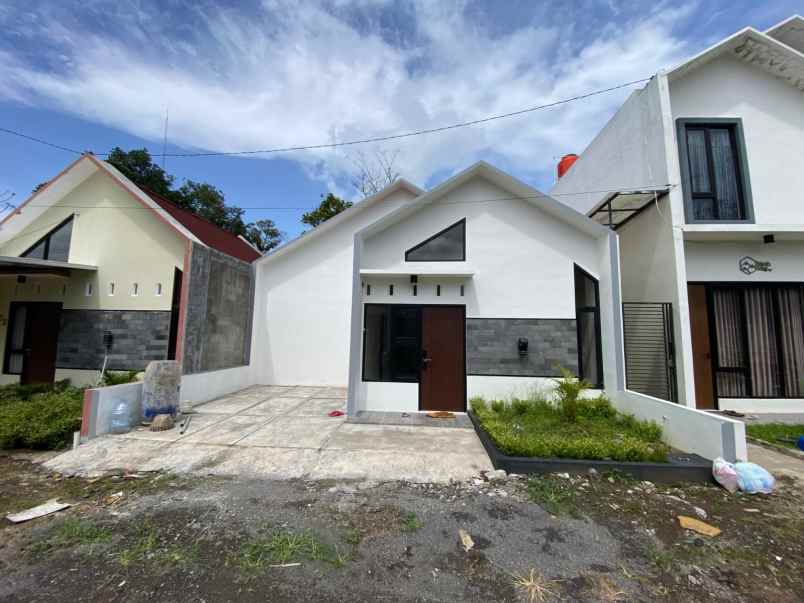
(441, 414)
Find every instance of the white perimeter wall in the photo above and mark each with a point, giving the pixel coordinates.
(772, 112)
(303, 304)
(627, 154)
(686, 428)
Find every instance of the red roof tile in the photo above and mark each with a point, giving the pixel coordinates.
(210, 234)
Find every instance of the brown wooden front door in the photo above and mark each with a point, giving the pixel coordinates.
(443, 376)
(701, 348)
(32, 341)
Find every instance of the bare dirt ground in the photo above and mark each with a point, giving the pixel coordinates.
(158, 537)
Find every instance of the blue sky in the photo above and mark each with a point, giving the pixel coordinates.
(250, 75)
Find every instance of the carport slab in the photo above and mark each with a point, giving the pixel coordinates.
(289, 435)
(290, 432)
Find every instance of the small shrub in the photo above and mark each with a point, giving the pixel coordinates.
(596, 407)
(119, 377)
(568, 391)
(39, 418)
(520, 407)
(478, 405)
(498, 406)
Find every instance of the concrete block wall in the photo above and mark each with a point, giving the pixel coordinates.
(491, 346)
(140, 336)
(219, 312)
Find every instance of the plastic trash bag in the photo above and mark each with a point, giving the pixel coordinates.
(752, 478)
(725, 474)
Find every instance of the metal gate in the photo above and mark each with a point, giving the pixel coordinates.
(650, 365)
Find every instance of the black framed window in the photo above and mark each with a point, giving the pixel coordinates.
(714, 170)
(55, 245)
(587, 316)
(448, 245)
(391, 343)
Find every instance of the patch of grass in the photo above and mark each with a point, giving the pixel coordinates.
(780, 434)
(70, 533)
(538, 428)
(39, 416)
(286, 546)
(555, 497)
(410, 523)
(148, 547)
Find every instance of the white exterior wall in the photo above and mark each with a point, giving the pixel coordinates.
(718, 261)
(627, 154)
(303, 305)
(772, 112)
(523, 264)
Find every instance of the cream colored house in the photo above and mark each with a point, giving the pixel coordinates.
(93, 268)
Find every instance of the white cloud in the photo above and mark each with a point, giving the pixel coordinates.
(296, 74)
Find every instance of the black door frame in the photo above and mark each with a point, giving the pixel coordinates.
(418, 381)
(27, 343)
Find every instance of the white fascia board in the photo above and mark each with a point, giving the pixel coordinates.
(345, 215)
(796, 20)
(730, 43)
(127, 184)
(39, 202)
(519, 190)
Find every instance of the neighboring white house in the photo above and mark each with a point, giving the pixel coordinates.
(704, 169)
(419, 301)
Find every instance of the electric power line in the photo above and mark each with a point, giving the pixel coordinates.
(332, 145)
(643, 189)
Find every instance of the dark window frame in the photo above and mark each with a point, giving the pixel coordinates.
(46, 240)
(595, 311)
(735, 125)
(12, 319)
(389, 308)
(715, 360)
(435, 236)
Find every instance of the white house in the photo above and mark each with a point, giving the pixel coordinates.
(704, 173)
(419, 301)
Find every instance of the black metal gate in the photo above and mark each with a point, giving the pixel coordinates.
(650, 366)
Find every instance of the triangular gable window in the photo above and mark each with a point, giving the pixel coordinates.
(449, 245)
(55, 245)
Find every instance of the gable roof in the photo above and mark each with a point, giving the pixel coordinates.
(790, 32)
(190, 227)
(347, 214)
(518, 189)
(210, 234)
(760, 49)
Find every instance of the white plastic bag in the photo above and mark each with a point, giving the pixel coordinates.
(753, 479)
(725, 474)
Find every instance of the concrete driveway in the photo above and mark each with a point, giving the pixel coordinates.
(280, 432)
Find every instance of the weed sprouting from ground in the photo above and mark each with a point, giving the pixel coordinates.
(68, 533)
(411, 523)
(607, 591)
(147, 546)
(553, 496)
(284, 547)
(535, 586)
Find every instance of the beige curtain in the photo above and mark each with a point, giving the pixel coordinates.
(791, 325)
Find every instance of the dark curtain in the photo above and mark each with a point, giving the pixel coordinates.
(762, 343)
(791, 327)
(723, 162)
(731, 374)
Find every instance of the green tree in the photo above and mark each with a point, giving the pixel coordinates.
(330, 206)
(264, 235)
(201, 198)
(137, 166)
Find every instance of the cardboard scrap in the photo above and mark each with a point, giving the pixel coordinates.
(51, 506)
(696, 525)
(441, 414)
(466, 540)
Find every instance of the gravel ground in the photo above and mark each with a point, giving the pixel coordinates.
(158, 537)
